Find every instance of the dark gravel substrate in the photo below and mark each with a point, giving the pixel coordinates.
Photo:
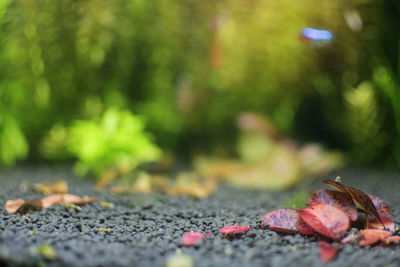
(145, 230)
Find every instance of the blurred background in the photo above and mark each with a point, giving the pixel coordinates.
(126, 81)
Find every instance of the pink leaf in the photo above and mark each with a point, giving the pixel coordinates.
(338, 199)
(228, 230)
(285, 221)
(372, 236)
(389, 224)
(328, 252)
(189, 239)
(380, 205)
(392, 239)
(12, 205)
(326, 220)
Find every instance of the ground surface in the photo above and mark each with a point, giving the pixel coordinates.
(145, 230)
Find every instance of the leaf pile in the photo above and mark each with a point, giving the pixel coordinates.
(330, 214)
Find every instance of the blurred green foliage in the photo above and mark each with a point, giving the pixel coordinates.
(189, 68)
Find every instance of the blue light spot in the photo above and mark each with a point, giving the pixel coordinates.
(315, 34)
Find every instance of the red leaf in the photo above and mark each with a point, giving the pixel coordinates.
(380, 205)
(352, 237)
(228, 230)
(389, 224)
(337, 199)
(12, 205)
(358, 196)
(392, 239)
(328, 252)
(189, 239)
(285, 221)
(326, 220)
(371, 236)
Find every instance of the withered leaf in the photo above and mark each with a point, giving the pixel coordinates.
(337, 199)
(388, 223)
(328, 252)
(285, 221)
(326, 220)
(31, 205)
(372, 236)
(392, 240)
(361, 198)
(46, 188)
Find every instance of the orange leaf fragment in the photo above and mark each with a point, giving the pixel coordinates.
(388, 223)
(285, 221)
(12, 205)
(189, 239)
(337, 199)
(372, 236)
(328, 252)
(228, 230)
(326, 220)
(59, 187)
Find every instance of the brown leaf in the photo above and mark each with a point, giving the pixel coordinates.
(59, 187)
(285, 221)
(67, 198)
(31, 205)
(361, 198)
(372, 236)
(12, 205)
(326, 220)
(337, 199)
(328, 252)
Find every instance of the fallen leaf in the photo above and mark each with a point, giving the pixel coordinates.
(51, 200)
(72, 199)
(388, 223)
(337, 199)
(372, 236)
(59, 187)
(12, 205)
(285, 221)
(392, 240)
(361, 198)
(190, 184)
(189, 239)
(229, 230)
(380, 205)
(351, 238)
(31, 205)
(328, 252)
(326, 220)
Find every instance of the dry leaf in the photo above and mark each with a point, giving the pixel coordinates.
(388, 223)
(12, 205)
(380, 205)
(31, 205)
(230, 230)
(361, 198)
(59, 187)
(392, 240)
(189, 184)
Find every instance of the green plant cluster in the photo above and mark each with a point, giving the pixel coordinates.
(74, 73)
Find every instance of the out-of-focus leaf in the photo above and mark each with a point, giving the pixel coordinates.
(31, 205)
(372, 236)
(12, 205)
(179, 260)
(337, 199)
(326, 220)
(189, 239)
(351, 238)
(380, 205)
(59, 187)
(66, 198)
(361, 198)
(230, 230)
(388, 223)
(285, 221)
(327, 252)
(46, 251)
(190, 184)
